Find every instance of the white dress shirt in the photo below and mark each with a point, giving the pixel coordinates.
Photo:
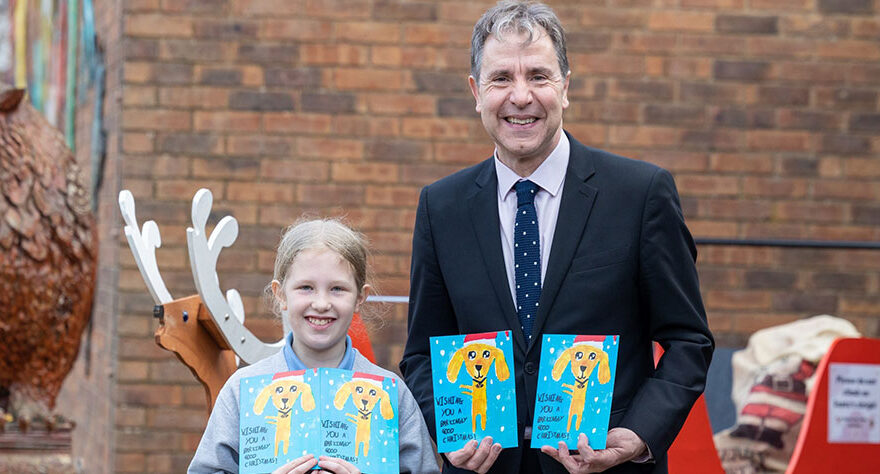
(549, 177)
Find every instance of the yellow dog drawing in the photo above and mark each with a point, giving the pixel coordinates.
(365, 391)
(477, 355)
(285, 388)
(584, 356)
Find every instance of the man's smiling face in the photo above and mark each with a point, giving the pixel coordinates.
(520, 95)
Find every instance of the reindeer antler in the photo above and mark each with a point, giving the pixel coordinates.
(143, 244)
(228, 311)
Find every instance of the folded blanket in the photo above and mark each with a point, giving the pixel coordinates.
(772, 378)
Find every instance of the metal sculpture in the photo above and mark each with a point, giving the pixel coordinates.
(47, 260)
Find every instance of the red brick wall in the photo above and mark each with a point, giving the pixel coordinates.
(766, 111)
(88, 396)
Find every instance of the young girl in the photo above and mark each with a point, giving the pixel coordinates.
(320, 281)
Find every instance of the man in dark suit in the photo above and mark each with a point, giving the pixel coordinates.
(606, 234)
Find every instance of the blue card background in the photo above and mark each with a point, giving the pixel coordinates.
(552, 405)
(452, 408)
(384, 450)
(321, 431)
(256, 438)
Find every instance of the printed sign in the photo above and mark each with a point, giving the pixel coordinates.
(854, 403)
(474, 393)
(575, 388)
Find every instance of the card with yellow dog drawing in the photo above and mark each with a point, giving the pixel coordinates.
(324, 412)
(278, 419)
(474, 391)
(575, 388)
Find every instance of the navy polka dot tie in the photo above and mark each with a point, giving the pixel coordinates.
(526, 256)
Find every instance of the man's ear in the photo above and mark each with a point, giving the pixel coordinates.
(362, 296)
(565, 83)
(475, 90)
(279, 294)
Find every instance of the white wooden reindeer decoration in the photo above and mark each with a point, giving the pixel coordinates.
(206, 331)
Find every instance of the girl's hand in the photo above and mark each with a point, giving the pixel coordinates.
(337, 466)
(299, 465)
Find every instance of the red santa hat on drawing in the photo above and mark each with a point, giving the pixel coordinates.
(593, 341)
(487, 338)
(294, 375)
(369, 378)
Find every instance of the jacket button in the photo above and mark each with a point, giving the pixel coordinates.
(530, 368)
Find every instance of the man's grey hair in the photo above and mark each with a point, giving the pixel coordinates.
(510, 16)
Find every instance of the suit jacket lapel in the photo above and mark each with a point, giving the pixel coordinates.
(483, 205)
(574, 210)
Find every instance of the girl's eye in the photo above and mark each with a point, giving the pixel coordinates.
(305, 287)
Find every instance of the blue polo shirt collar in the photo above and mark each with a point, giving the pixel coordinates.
(293, 362)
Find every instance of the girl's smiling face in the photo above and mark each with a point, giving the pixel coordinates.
(320, 296)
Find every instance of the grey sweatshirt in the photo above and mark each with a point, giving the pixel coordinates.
(218, 449)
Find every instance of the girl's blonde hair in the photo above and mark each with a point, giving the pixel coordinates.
(307, 234)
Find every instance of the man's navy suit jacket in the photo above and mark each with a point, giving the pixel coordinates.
(621, 262)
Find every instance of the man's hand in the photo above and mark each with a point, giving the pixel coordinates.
(622, 445)
(478, 459)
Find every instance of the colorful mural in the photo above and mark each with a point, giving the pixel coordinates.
(39, 51)
(5, 42)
